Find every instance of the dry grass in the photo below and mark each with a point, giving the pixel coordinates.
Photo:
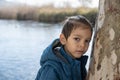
(44, 14)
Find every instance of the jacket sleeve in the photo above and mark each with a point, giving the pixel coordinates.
(47, 73)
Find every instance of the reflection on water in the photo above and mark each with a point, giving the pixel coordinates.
(21, 45)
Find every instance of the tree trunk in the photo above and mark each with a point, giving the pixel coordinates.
(105, 61)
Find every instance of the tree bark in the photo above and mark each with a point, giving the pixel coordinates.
(105, 61)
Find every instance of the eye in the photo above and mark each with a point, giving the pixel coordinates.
(87, 41)
(77, 39)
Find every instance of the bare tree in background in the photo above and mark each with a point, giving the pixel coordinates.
(105, 64)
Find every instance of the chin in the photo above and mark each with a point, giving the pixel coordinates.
(78, 56)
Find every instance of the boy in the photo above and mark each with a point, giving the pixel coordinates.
(63, 59)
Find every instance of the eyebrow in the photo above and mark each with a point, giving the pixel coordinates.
(81, 36)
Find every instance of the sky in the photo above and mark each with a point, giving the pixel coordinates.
(57, 3)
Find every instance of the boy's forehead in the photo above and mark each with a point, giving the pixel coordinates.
(79, 31)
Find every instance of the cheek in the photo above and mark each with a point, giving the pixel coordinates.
(70, 47)
(86, 48)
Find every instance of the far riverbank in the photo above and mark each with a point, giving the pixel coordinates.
(47, 14)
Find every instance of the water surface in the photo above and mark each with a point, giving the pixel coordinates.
(21, 45)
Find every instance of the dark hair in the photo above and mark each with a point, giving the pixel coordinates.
(74, 22)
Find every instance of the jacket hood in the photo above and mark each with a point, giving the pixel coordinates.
(51, 53)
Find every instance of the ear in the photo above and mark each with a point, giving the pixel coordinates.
(62, 39)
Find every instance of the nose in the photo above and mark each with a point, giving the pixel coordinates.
(82, 45)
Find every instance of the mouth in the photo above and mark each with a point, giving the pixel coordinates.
(80, 52)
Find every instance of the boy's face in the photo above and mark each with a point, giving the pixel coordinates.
(78, 41)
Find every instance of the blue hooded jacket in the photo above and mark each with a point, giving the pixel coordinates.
(56, 64)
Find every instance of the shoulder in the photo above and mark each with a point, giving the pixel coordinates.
(47, 73)
(50, 69)
(52, 65)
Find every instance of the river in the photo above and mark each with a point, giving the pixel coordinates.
(21, 45)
